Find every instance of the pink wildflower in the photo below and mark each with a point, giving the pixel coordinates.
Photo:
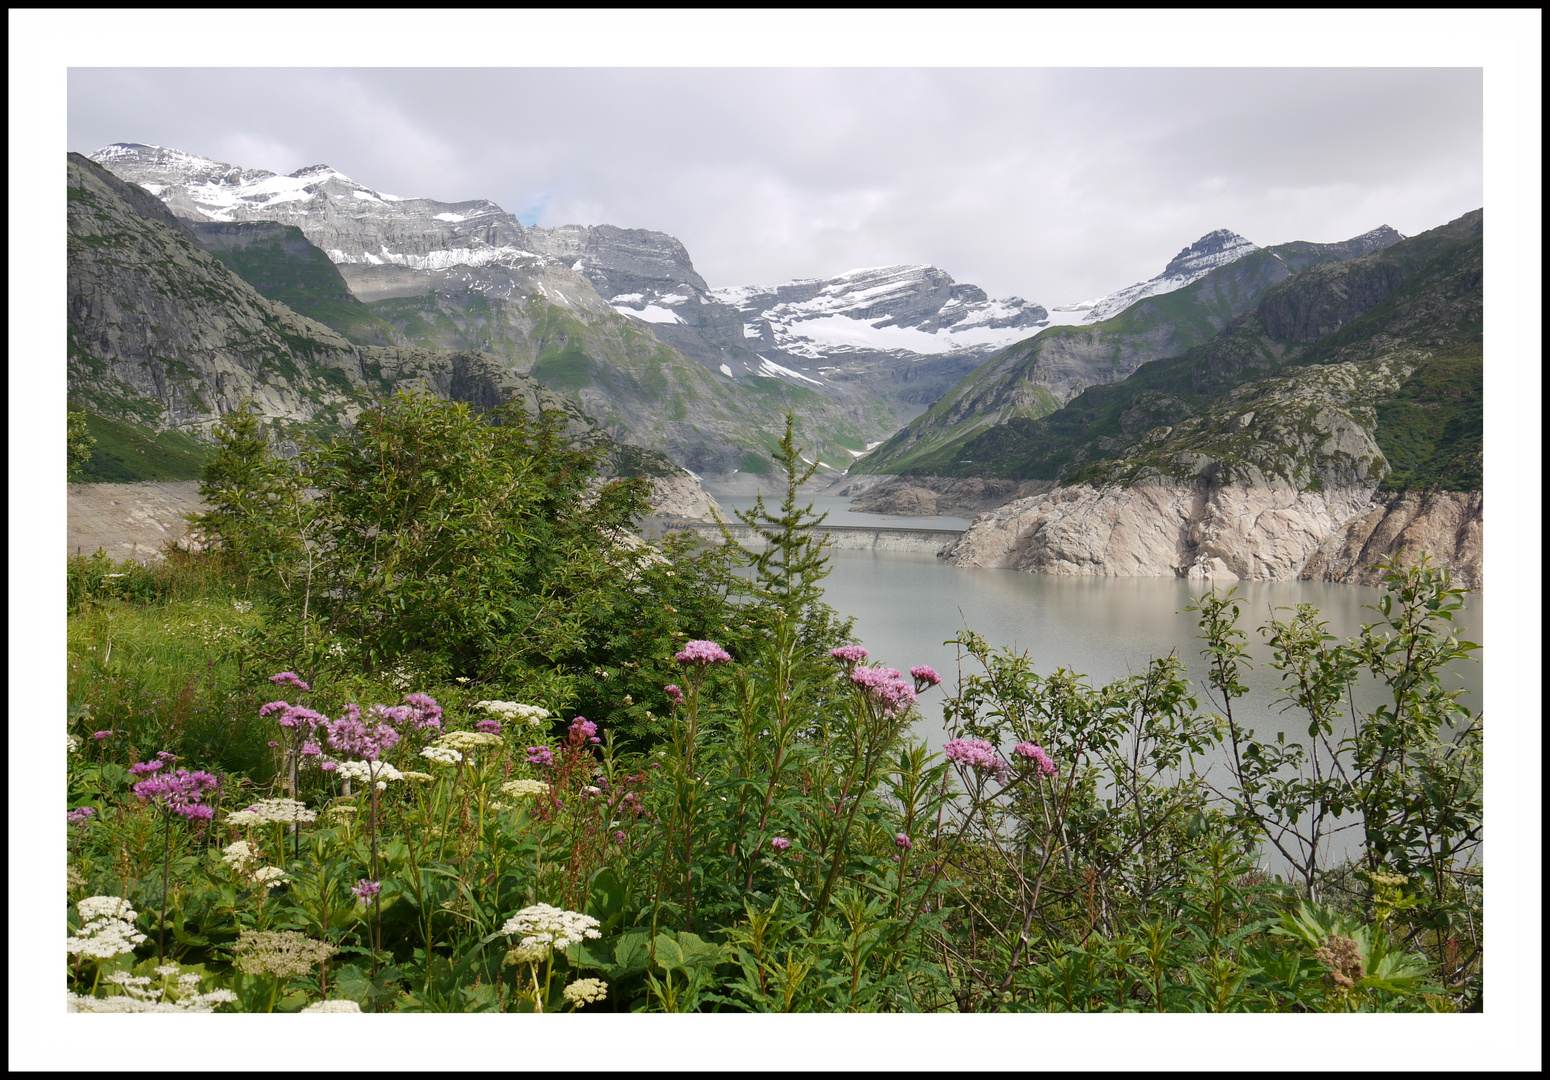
(886, 687)
(1037, 755)
(780, 843)
(540, 755)
(181, 792)
(903, 841)
(850, 654)
(289, 678)
(702, 652)
(974, 754)
(675, 695)
(924, 677)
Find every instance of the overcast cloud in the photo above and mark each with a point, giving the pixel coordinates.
(1056, 185)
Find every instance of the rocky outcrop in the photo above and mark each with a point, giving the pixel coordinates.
(927, 496)
(129, 521)
(1447, 525)
(1224, 533)
(682, 497)
(138, 521)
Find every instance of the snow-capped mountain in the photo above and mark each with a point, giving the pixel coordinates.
(908, 312)
(384, 245)
(1196, 261)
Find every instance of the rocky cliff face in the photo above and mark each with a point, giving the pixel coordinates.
(384, 245)
(1225, 533)
(467, 276)
(164, 334)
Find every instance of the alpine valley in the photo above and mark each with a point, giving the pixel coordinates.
(1292, 410)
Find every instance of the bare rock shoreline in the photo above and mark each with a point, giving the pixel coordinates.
(137, 521)
(1217, 533)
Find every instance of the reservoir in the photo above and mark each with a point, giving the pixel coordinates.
(907, 604)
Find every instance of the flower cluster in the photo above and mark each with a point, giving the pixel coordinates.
(80, 816)
(72, 743)
(540, 755)
(849, 654)
(886, 687)
(780, 843)
(139, 996)
(366, 891)
(1036, 755)
(441, 755)
(278, 953)
(269, 875)
(544, 924)
(975, 754)
(903, 841)
(925, 676)
(365, 771)
(424, 712)
(674, 694)
(338, 1005)
(468, 741)
(350, 736)
(147, 768)
(585, 991)
(583, 729)
(516, 789)
(293, 716)
(238, 855)
(289, 678)
(526, 954)
(702, 653)
(107, 928)
(181, 792)
(274, 811)
(1341, 957)
(515, 712)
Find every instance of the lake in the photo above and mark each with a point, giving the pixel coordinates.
(907, 604)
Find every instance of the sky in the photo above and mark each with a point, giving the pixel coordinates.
(1054, 184)
(873, 137)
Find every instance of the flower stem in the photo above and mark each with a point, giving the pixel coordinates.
(166, 866)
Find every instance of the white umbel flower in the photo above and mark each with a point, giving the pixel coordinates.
(466, 741)
(108, 929)
(518, 788)
(338, 1005)
(284, 811)
(584, 991)
(544, 924)
(238, 855)
(515, 712)
(270, 875)
(381, 771)
(441, 755)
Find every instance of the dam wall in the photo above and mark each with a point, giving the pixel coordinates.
(841, 537)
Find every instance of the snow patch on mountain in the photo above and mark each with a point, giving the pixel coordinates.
(771, 370)
(1196, 261)
(906, 310)
(651, 313)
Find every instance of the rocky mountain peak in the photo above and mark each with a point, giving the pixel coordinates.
(1212, 250)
